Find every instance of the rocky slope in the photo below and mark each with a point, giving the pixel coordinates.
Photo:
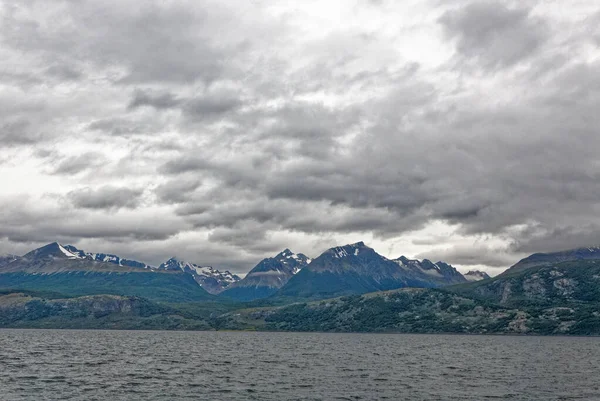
(545, 259)
(563, 283)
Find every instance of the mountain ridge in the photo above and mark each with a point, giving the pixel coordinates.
(357, 269)
(268, 276)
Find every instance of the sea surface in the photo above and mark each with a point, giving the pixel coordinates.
(163, 365)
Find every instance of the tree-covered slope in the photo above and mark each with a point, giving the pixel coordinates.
(37, 310)
(165, 287)
(417, 310)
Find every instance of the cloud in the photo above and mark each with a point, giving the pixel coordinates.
(158, 101)
(18, 132)
(472, 255)
(494, 34)
(226, 131)
(106, 197)
(177, 190)
(77, 164)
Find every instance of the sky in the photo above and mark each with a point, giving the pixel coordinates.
(222, 132)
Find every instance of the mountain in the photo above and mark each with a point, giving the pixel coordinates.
(212, 280)
(358, 269)
(58, 252)
(55, 267)
(438, 273)
(545, 259)
(561, 284)
(104, 257)
(53, 250)
(268, 276)
(7, 258)
(476, 275)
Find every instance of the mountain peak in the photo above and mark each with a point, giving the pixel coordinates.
(286, 253)
(51, 250)
(343, 251)
(476, 275)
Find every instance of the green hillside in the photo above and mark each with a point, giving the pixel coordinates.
(163, 287)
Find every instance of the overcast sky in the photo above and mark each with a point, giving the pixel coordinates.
(223, 132)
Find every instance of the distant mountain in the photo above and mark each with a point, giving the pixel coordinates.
(7, 258)
(545, 259)
(268, 276)
(476, 275)
(358, 269)
(65, 269)
(104, 257)
(53, 250)
(209, 278)
(438, 273)
(54, 258)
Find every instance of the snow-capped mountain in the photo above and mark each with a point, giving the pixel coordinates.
(268, 276)
(56, 250)
(294, 261)
(56, 257)
(209, 278)
(357, 268)
(439, 272)
(52, 250)
(476, 275)
(73, 252)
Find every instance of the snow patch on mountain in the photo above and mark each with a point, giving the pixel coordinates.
(209, 278)
(68, 254)
(103, 257)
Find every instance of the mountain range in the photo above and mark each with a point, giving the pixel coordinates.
(358, 269)
(347, 288)
(344, 270)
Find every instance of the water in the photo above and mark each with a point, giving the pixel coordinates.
(152, 365)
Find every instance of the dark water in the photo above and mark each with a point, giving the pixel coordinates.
(133, 365)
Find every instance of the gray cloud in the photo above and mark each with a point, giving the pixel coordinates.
(158, 101)
(77, 164)
(252, 131)
(494, 34)
(106, 197)
(177, 191)
(18, 132)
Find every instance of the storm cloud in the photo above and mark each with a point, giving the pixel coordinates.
(224, 132)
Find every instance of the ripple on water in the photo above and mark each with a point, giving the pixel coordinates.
(125, 365)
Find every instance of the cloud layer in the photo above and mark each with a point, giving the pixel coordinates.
(223, 133)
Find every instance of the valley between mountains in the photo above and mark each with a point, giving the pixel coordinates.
(348, 288)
